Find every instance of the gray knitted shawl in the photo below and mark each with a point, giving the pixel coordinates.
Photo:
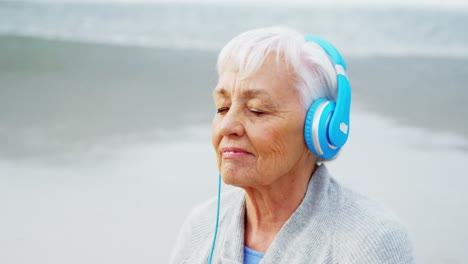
(331, 225)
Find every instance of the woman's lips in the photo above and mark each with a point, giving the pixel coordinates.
(233, 153)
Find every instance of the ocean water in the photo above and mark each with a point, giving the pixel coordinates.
(361, 30)
(105, 114)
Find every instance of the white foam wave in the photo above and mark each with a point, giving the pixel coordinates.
(200, 27)
(204, 45)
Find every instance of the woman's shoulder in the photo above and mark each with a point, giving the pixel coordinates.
(358, 209)
(366, 230)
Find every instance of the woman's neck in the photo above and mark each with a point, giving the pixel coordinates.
(269, 207)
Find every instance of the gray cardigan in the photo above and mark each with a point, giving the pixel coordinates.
(331, 225)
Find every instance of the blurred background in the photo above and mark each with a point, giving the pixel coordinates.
(105, 111)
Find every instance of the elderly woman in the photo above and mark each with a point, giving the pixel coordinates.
(282, 103)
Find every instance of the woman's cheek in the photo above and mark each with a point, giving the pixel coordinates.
(271, 148)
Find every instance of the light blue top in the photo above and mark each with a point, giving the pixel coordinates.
(251, 256)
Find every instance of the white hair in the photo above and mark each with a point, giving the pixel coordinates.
(314, 73)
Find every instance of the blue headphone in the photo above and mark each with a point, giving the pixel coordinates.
(326, 126)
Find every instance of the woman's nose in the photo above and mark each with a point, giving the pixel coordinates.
(232, 123)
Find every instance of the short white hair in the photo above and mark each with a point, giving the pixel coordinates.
(314, 72)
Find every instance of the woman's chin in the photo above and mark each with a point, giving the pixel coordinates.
(232, 178)
(235, 176)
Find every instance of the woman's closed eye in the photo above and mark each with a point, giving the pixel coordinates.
(222, 110)
(256, 111)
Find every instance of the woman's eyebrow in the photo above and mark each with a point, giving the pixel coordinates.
(249, 93)
(259, 93)
(219, 92)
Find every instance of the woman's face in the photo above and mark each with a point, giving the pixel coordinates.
(258, 130)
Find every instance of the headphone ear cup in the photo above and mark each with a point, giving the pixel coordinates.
(316, 129)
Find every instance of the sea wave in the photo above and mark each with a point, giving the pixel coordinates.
(371, 32)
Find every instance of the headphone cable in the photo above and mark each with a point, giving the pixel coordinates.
(217, 219)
